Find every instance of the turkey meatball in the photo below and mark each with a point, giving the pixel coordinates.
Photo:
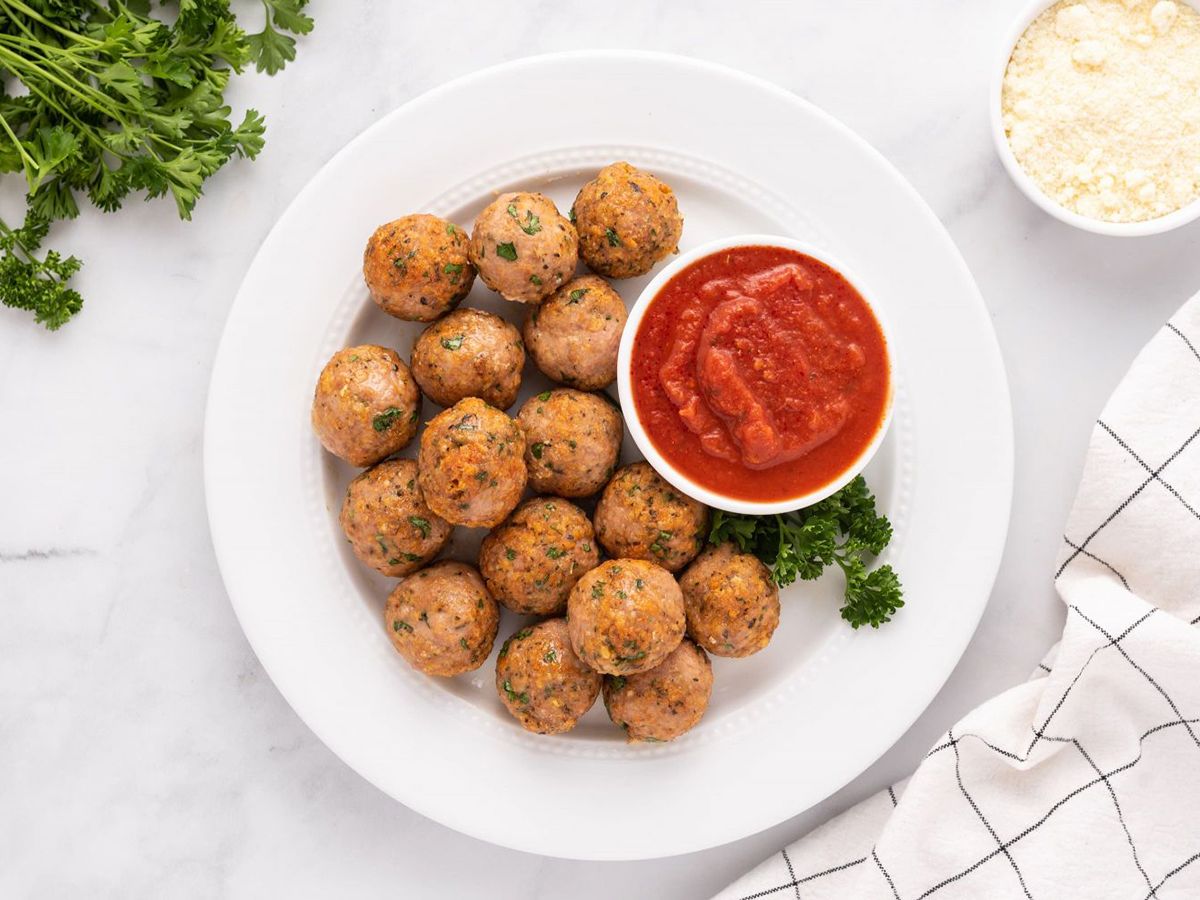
(732, 604)
(627, 221)
(665, 702)
(531, 562)
(469, 353)
(472, 464)
(366, 405)
(542, 682)
(625, 616)
(572, 441)
(641, 516)
(417, 267)
(442, 619)
(574, 335)
(388, 524)
(523, 249)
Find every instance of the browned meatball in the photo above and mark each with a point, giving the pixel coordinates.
(417, 268)
(472, 464)
(641, 516)
(572, 441)
(532, 561)
(732, 603)
(574, 335)
(625, 616)
(469, 353)
(542, 682)
(366, 405)
(627, 221)
(388, 524)
(442, 619)
(523, 249)
(665, 702)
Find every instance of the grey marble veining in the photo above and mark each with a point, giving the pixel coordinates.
(144, 752)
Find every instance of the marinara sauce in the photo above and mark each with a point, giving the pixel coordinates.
(760, 373)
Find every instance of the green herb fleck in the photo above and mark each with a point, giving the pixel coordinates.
(577, 295)
(613, 240)
(510, 554)
(453, 343)
(422, 525)
(386, 419)
(401, 625)
(507, 251)
(555, 553)
(454, 270)
(544, 396)
(537, 449)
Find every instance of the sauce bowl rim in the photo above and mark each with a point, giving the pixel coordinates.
(637, 431)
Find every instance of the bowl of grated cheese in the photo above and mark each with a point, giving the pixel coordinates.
(1095, 112)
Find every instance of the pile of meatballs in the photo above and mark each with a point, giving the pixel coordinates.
(613, 618)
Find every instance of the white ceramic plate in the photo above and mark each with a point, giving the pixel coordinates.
(786, 727)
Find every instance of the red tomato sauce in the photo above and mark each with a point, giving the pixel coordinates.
(760, 373)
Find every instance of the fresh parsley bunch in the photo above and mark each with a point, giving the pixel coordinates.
(103, 99)
(841, 530)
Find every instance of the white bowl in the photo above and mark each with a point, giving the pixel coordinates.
(625, 388)
(1030, 188)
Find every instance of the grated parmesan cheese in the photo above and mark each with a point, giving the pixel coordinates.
(1101, 106)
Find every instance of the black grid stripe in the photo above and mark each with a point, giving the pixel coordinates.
(1117, 805)
(1055, 807)
(1125, 503)
(791, 872)
(798, 881)
(1092, 556)
(1175, 871)
(892, 794)
(884, 873)
(1153, 474)
(1113, 642)
(1184, 338)
(982, 818)
(1144, 674)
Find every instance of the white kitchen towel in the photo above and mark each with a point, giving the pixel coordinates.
(1084, 782)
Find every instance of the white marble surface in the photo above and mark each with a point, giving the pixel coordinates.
(144, 752)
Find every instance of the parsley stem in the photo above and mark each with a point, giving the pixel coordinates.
(10, 5)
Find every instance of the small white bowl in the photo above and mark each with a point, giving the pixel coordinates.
(1029, 187)
(625, 388)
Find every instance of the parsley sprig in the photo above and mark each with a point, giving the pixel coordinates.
(100, 100)
(843, 530)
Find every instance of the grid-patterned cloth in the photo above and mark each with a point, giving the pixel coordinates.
(1084, 781)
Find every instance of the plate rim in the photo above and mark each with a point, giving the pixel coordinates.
(1001, 481)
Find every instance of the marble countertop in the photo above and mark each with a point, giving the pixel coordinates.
(143, 750)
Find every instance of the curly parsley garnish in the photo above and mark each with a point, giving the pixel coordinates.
(841, 530)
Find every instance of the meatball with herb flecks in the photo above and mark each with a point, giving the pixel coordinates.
(469, 353)
(472, 464)
(574, 335)
(531, 562)
(627, 221)
(641, 516)
(417, 267)
(523, 248)
(572, 441)
(666, 701)
(387, 522)
(542, 682)
(732, 602)
(625, 616)
(442, 619)
(366, 405)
